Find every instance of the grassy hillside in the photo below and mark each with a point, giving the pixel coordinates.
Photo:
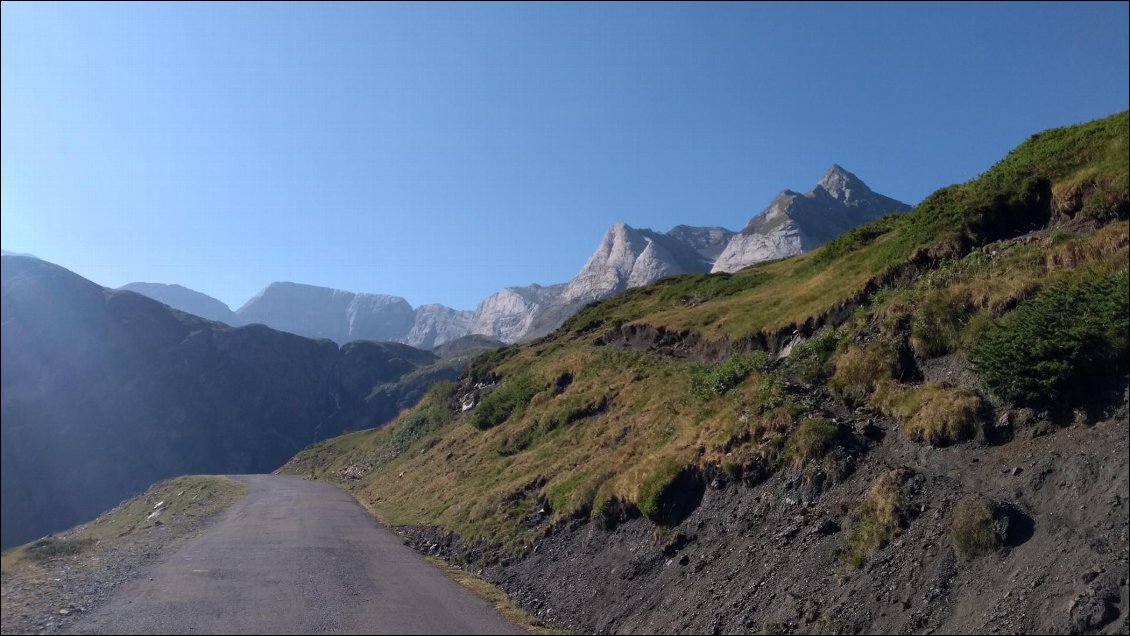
(639, 400)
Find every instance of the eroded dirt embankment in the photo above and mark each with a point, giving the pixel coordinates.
(773, 557)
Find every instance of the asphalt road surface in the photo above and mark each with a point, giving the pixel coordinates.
(295, 557)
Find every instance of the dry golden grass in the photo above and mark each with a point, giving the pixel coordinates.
(971, 530)
(879, 516)
(933, 413)
(860, 369)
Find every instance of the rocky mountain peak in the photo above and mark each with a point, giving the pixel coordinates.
(842, 185)
(795, 223)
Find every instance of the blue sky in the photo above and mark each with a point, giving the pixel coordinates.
(442, 152)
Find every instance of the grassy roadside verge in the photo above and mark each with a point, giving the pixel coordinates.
(48, 584)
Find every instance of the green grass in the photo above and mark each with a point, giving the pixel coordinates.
(708, 382)
(813, 439)
(498, 405)
(653, 501)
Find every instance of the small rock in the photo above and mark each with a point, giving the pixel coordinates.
(1016, 471)
(826, 528)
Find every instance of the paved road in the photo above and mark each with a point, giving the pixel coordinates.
(295, 557)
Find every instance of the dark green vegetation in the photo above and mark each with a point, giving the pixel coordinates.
(1067, 339)
(686, 378)
(511, 396)
(106, 391)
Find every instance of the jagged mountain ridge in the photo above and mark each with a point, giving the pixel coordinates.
(795, 223)
(626, 257)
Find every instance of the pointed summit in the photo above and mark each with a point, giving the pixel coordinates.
(841, 184)
(795, 223)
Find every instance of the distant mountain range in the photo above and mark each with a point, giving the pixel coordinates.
(626, 257)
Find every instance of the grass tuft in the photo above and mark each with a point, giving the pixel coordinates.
(880, 516)
(972, 528)
(934, 413)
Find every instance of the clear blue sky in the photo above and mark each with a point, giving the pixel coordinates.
(441, 152)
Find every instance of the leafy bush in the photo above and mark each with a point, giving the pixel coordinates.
(1052, 349)
(431, 415)
(511, 396)
(809, 360)
(711, 381)
(936, 327)
(482, 367)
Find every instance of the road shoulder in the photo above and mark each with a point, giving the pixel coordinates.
(49, 586)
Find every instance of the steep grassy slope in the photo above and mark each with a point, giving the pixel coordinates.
(640, 401)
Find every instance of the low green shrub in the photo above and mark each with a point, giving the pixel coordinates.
(809, 360)
(511, 396)
(56, 547)
(431, 415)
(1052, 350)
(711, 381)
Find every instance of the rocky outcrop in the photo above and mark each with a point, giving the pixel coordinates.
(509, 314)
(707, 241)
(795, 223)
(436, 324)
(186, 300)
(627, 257)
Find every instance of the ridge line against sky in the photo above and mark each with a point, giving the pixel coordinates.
(443, 152)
